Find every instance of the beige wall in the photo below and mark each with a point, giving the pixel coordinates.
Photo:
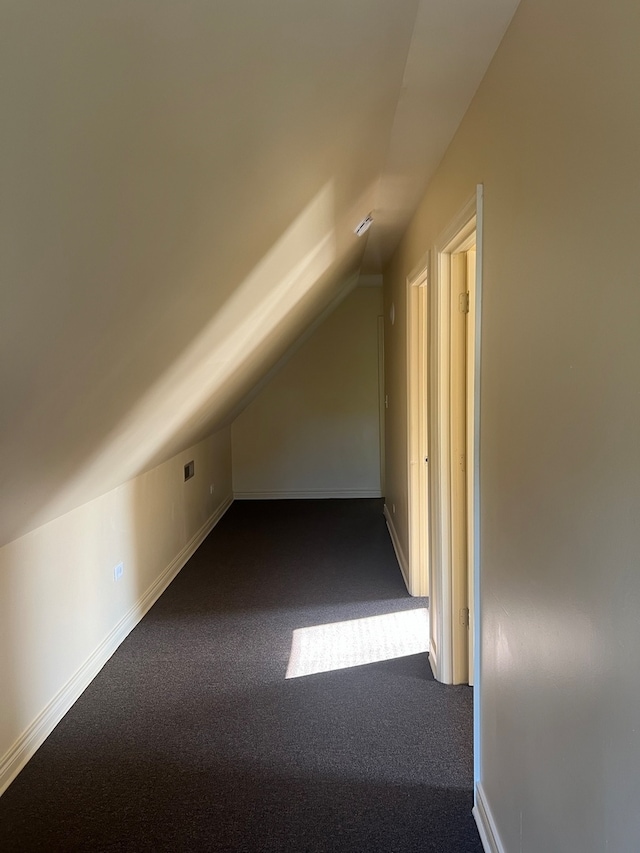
(314, 429)
(171, 220)
(554, 135)
(62, 613)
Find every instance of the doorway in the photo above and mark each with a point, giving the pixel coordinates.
(418, 337)
(454, 434)
(463, 278)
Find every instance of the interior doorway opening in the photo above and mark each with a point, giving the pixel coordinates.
(418, 364)
(454, 439)
(462, 263)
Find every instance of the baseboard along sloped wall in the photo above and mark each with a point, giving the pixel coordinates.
(35, 735)
(72, 590)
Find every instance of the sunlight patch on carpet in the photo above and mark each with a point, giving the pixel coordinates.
(339, 645)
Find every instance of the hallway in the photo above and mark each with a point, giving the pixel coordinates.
(190, 738)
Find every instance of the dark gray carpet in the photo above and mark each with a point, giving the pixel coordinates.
(191, 739)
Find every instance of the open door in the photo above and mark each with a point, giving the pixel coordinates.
(418, 426)
(454, 469)
(462, 278)
(471, 323)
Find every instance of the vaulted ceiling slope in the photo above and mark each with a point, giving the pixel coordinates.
(180, 185)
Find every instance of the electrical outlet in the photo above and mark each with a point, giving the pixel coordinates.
(211, 489)
(118, 571)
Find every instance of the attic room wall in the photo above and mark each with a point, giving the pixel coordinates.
(174, 212)
(553, 134)
(62, 613)
(314, 430)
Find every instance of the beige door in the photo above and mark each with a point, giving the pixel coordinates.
(470, 455)
(454, 471)
(462, 455)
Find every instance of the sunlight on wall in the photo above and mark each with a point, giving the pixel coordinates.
(339, 645)
(252, 314)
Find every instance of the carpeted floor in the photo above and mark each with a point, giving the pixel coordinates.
(192, 739)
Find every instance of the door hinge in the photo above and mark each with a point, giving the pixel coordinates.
(464, 617)
(463, 303)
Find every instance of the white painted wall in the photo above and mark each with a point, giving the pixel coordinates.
(554, 135)
(314, 429)
(62, 613)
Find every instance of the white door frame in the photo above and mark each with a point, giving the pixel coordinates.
(381, 405)
(444, 611)
(477, 564)
(470, 448)
(417, 299)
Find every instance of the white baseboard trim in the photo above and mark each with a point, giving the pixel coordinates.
(34, 736)
(433, 660)
(397, 547)
(312, 494)
(486, 824)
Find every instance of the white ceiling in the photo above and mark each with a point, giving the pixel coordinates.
(179, 177)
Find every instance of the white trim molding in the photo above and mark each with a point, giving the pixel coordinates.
(309, 494)
(397, 547)
(34, 736)
(477, 568)
(486, 824)
(433, 658)
(417, 360)
(449, 582)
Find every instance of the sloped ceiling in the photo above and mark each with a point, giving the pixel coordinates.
(180, 185)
